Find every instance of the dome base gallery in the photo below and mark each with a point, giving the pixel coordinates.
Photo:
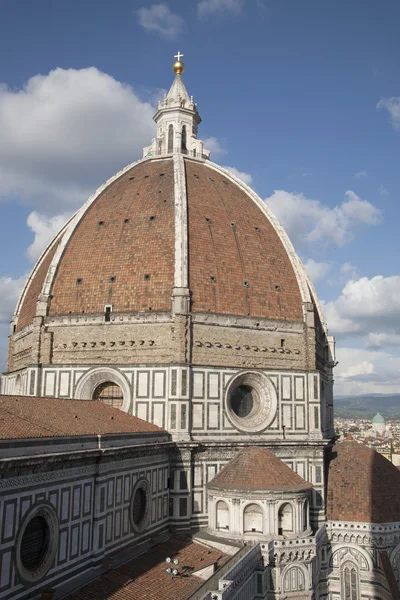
(175, 305)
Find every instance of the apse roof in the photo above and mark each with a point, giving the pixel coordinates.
(363, 486)
(33, 417)
(257, 469)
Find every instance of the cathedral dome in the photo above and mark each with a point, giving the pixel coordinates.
(162, 224)
(378, 419)
(363, 486)
(256, 469)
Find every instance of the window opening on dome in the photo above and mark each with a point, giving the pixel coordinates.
(79, 281)
(285, 519)
(152, 218)
(113, 278)
(146, 277)
(162, 174)
(183, 140)
(170, 139)
(222, 515)
(233, 224)
(131, 178)
(213, 279)
(253, 519)
(211, 179)
(107, 313)
(126, 220)
(246, 283)
(35, 543)
(196, 176)
(243, 401)
(208, 219)
(146, 176)
(109, 393)
(256, 229)
(101, 223)
(277, 288)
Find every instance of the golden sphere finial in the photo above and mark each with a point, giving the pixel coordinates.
(178, 66)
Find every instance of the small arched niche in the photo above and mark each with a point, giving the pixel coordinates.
(170, 139)
(285, 519)
(253, 519)
(184, 140)
(222, 516)
(109, 393)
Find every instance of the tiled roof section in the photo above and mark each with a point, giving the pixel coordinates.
(363, 486)
(122, 252)
(28, 307)
(232, 241)
(257, 469)
(146, 576)
(32, 417)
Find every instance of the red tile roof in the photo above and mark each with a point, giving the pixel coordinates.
(145, 576)
(257, 469)
(363, 486)
(33, 417)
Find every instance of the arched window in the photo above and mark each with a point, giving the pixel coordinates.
(253, 519)
(170, 139)
(305, 515)
(110, 394)
(184, 143)
(222, 515)
(349, 576)
(293, 580)
(18, 386)
(285, 519)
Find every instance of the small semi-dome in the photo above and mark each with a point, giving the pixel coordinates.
(257, 469)
(378, 418)
(363, 486)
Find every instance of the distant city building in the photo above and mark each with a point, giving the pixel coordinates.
(379, 424)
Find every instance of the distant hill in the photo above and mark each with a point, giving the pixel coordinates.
(366, 405)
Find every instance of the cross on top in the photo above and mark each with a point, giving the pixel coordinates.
(178, 56)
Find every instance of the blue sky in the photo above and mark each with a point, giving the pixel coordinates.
(303, 98)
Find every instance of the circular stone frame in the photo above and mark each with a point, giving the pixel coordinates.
(265, 398)
(141, 484)
(46, 511)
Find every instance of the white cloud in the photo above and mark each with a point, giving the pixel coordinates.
(246, 177)
(316, 270)
(44, 228)
(160, 19)
(366, 306)
(78, 126)
(309, 221)
(348, 271)
(214, 145)
(381, 340)
(10, 290)
(362, 371)
(361, 174)
(392, 105)
(222, 7)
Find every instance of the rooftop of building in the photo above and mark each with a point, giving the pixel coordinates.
(257, 469)
(35, 417)
(146, 577)
(363, 486)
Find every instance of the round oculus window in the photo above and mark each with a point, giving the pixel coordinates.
(36, 543)
(251, 401)
(140, 505)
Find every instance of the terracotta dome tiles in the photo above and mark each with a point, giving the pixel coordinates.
(257, 469)
(122, 252)
(363, 486)
(237, 263)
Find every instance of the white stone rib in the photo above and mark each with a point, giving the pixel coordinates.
(181, 277)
